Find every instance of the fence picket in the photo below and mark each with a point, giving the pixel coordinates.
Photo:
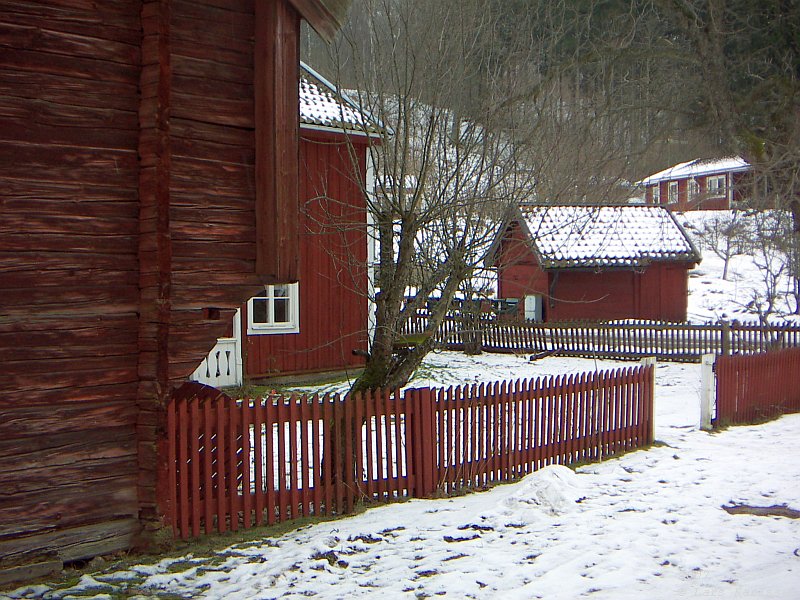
(368, 398)
(348, 477)
(247, 497)
(327, 452)
(258, 440)
(271, 419)
(389, 467)
(305, 419)
(172, 442)
(197, 486)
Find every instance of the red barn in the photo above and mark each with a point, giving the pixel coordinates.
(314, 325)
(148, 185)
(567, 263)
(700, 184)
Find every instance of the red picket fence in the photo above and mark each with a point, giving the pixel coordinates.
(239, 463)
(756, 387)
(475, 436)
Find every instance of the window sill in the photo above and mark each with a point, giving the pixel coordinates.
(272, 330)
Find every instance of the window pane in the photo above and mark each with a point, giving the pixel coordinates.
(260, 314)
(281, 310)
(281, 291)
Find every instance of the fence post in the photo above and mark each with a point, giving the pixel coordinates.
(726, 338)
(707, 397)
(424, 430)
(650, 361)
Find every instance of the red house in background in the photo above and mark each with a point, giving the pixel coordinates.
(699, 184)
(565, 263)
(313, 325)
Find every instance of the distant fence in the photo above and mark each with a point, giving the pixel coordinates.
(681, 342)
(239, 463)
(752, 388)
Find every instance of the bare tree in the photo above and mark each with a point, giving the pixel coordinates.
(771, 255)
(482, 105)
(726, 235)
(445, 168)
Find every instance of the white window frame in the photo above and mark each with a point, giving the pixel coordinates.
(657, 193)
(672, 192)
(719, 191)
(292, 325)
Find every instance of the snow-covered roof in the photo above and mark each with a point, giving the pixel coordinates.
(605, 236)
(322, 105)
(697, 168)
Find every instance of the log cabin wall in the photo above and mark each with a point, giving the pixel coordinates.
(127, 239)
(333, 260)
(69, 241)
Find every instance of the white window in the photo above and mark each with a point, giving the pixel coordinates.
(657, 193)
(694, 189)
(715, 186)
(673, 192)
(275, 310)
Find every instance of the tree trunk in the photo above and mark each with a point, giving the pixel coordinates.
(471, 332)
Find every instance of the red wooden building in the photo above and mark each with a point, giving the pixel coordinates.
(565, 263)
(314, 325)
(717, 184)
(149, 185)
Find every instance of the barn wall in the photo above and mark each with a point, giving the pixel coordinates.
(518, 272)
(664, 292)
(69, 240)
(589, 295)
(333, 277)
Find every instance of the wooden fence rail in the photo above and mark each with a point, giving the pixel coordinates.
(682, 342)
(239, 463)
(752, 388)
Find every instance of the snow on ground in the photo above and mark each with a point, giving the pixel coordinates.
(647, 524)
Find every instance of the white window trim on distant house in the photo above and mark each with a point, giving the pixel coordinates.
(657, 193)
(276, 310)
(672, 192)
(720, 187)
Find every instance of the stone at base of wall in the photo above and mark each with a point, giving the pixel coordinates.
(30, 571)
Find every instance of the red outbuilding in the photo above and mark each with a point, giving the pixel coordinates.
(565, 263)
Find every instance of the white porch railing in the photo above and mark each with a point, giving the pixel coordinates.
(223, 365)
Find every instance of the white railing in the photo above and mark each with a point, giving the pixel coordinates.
(223, 365)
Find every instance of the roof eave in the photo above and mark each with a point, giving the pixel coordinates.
(325, 16)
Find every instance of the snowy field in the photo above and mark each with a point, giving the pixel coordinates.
(738, 298)
(649, 524)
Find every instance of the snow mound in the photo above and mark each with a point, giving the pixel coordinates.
(553, 490)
